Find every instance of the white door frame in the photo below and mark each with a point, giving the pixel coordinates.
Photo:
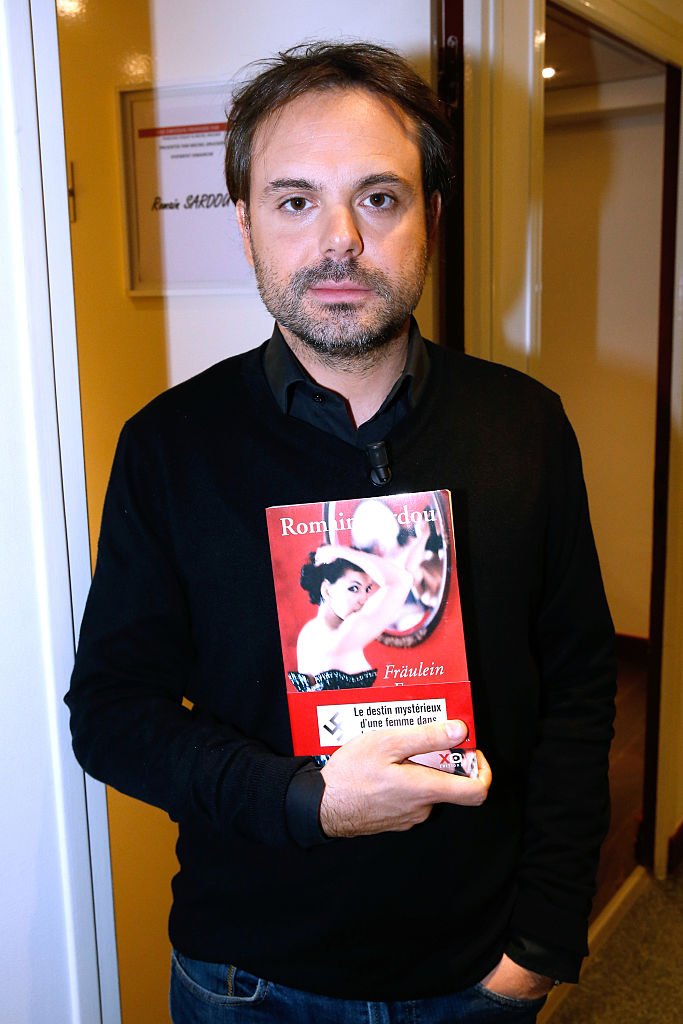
(61, 953)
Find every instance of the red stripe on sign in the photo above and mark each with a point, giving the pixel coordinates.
(182, 129)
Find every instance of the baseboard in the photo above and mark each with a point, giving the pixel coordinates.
(633, 648)
(599, 932)
(675, 849)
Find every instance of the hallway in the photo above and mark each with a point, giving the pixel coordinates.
(636, 976)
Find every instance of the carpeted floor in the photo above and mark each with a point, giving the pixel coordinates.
(637, 976)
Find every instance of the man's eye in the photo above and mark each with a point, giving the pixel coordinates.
(379, 201)
(297, 204)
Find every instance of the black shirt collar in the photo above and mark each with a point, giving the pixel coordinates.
(298, 395)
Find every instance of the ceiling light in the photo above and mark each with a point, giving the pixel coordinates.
(71, 8)
(549, 72)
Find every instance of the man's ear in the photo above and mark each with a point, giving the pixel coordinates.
(245, 228)
(433, 219)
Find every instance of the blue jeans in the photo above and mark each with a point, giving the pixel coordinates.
(204, 993)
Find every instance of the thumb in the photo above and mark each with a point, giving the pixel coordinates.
(422, 739)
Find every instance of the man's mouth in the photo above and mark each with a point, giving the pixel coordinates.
(340, 291)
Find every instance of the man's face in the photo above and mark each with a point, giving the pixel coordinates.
(336, 228)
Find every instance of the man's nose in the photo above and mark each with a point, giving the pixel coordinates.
(340, 237)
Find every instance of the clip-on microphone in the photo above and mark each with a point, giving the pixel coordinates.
(378, 456)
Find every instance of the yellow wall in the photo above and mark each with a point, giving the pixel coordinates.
(600, 312)
(122, 356)
(122, 362)
(670, 797)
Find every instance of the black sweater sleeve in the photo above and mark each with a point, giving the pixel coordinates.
(567, 797)
(129, 725)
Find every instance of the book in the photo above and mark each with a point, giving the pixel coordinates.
(370, 621)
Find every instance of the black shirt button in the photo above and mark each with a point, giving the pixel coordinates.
(317, 397)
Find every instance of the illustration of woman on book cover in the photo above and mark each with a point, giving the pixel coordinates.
(358, 595)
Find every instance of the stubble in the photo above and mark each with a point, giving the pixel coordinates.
(342, 332)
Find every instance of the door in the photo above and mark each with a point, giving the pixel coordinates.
(58, 958)
(602, 229)
(132, 347)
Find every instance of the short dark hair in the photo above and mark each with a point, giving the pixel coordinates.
(317, 66)
(313, 576)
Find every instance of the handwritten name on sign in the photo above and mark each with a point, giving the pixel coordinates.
(205, 201)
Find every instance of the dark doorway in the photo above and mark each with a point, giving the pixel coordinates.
(451, 259)
(610, 102)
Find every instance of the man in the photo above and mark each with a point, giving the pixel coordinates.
(374, 889)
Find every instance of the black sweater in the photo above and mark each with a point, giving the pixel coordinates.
(182, 605)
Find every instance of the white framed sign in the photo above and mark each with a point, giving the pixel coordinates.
(182, 237)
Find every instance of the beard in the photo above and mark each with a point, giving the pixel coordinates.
(342, 330)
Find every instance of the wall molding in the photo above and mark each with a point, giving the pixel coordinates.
(503, 178)
(646, 25)
(608, 100)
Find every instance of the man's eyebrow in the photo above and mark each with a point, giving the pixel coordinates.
(306, 185)
(287, 184)
(384, 178)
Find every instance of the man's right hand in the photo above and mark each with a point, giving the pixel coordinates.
(371, 787)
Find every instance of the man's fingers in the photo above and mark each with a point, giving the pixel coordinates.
(421, 739)
(440, 787)
(484, 769)
(457, 789)
(370, 786)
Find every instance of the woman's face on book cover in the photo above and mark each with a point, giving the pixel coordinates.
(348, 594)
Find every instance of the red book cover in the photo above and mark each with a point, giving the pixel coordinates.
(370, 620)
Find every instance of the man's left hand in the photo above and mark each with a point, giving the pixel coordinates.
(509, 979)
